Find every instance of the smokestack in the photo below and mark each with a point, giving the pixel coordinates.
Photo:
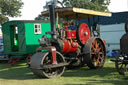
(52, 19)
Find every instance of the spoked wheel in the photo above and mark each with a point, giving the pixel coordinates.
(121, 63)
(50, 72)
(97, 54)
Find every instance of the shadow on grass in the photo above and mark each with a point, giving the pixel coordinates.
(18, 72)
(85, 72)
(22, 72)
(104, 82)
(105, 76)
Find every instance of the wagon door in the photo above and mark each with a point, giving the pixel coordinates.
(14, 38)
(17, 38)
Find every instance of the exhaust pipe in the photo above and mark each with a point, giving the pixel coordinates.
(52, 20)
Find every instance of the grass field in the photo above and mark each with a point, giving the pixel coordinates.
(22, 75)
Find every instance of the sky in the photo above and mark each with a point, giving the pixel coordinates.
(118, 5)
(32, 8)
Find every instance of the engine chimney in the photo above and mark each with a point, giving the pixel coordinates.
(52, 20)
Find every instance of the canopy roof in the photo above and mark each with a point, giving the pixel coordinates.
(79, 12)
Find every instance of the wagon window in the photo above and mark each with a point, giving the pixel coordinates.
(37, 28)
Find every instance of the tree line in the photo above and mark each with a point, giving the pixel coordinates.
(11, 8)
(97, 5)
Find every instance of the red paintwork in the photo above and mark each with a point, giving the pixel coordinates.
(74, 46)
(84, 33)
(53, 50)
(71, 34)
(54, 56)
(66, 27)
(69, 46)
(104, 41)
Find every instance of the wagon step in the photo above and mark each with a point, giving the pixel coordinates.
(113, 60)
(54, 65)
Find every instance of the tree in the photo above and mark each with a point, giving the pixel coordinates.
(9, 8)
(50, 2)
(40, 17)
(97, 5)
(56, 2)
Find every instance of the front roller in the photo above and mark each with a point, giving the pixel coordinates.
(95, 52)
(42, 64)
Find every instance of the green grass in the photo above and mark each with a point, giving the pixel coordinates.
(22, 75)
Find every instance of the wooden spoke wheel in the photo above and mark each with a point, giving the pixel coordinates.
(97, 55)
(50, 72)
(121, 63)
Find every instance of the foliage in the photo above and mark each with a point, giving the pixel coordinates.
(9, 8)
(39, 17)
(98, 5)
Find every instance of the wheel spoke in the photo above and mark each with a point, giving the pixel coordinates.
(96, 45)
(125, 69)
(125, 66)
(99, 49)
(121, 66)
(93, 47)
(98, 62)
(99, 57)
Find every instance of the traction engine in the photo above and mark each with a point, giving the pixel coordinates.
(69, 46)
(121, 58)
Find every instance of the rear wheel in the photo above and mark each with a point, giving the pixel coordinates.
(121, 63)
(96, 58)
(50, 72)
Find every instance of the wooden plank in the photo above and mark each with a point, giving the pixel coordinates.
(80, 11)
(91, 12)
